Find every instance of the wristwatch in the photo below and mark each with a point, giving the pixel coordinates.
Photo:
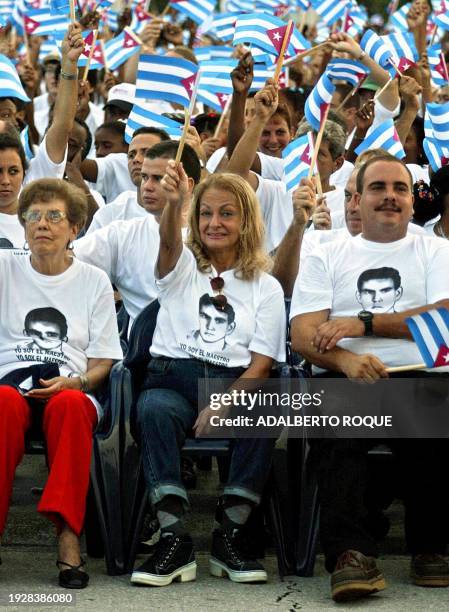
(367, 319)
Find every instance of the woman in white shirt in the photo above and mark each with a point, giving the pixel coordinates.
(221, 316)
(58, 339)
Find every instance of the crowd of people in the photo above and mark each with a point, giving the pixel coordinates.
(96, 216)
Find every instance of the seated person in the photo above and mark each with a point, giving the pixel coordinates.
(110, 138)
(58, 343)
(348, 311)
(231, 325)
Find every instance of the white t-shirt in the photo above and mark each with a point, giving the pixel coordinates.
(11, 231)
(80, 314)
(277, 210)
(341, 176)
(127, 252)
(41, 166)
(329, 280)
(253, 321)
(335, 200)
(271, 167)
(124, 207)
(113, 176)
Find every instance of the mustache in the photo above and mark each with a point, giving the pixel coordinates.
(388, 206)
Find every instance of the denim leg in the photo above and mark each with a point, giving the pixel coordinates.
(250, 466)
(164, 417)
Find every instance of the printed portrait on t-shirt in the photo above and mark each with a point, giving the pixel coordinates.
(379, 289)
(6, 244)
(216, 322)
(47, 329)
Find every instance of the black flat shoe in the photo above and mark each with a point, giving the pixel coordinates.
(73, 578)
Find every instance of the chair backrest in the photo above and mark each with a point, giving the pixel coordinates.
(140, 339)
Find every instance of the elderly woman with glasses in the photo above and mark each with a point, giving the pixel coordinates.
(58, 340)
(221, 317)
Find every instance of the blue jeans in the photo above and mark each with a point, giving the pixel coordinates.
(166, 412)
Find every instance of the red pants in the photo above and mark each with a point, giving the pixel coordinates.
(68, 423)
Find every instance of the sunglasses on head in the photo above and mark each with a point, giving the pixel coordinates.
(219, 301)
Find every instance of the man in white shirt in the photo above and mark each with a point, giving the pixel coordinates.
(329, 333)
(127, 250)
(128, 205)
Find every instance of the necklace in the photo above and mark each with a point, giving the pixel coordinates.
(440, 231)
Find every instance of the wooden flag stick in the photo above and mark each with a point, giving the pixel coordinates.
(27, 45)
(433, 35)
(346, 98)
(165, 11)
(223, 117)
(89, 59)
(187, 114)
(380, 91)
(285, 42)
(318, 140)
(406, 368)
(72, 10)
(295, 58)
(133, 35)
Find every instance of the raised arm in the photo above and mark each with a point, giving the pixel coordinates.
(176, 186)
(286, 262)
(266, 101)
(66, 99)
(409, 90)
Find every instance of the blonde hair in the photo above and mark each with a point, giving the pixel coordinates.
(252, 258)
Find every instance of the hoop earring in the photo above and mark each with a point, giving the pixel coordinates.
(26, 246)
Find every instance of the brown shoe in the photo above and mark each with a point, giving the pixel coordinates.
(430, 570)
(355, 576)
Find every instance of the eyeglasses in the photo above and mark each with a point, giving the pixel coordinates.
(52, 216)
(219, 301)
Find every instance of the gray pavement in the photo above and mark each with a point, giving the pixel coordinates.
(28, 554)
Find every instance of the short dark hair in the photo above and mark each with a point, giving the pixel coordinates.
(377, 274)
(386, 157)
(47, 314)
(189, 158)
(284, 112)
(207, 300)
(152, 130)
(10, 139)
(49, 189)
(114, 126)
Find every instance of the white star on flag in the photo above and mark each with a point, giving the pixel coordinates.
(277, 36)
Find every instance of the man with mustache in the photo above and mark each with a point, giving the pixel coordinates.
(343, 343)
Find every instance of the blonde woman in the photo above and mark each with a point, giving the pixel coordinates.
(222, 316)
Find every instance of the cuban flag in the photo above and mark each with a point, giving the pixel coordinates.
(240, 6)
(204, 54)
(216, 75)
(198, 11)
(438, 67)
(40, 22)
(217, 101)
(223, 25)
(97, 61)
(318, 101)
(439, 118)
(350, 71)
(47, 46)
(392, 7)
(373, 45)
(437, 155)
(403, 49)
(428, 129)
(265, 32)
(297, 157)
(10, 85)
(26, 143)
(140, 116)
(330, 10)
(110, 19)
(384, 137)
(104, 4)
(119, 49)
(6, 8)
(398, 18)
(59, 7)
(165, 78)
(441, 16)
(354, 21)
(430, 331)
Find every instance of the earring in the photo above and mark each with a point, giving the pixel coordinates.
(70, 246)
(26, 246)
